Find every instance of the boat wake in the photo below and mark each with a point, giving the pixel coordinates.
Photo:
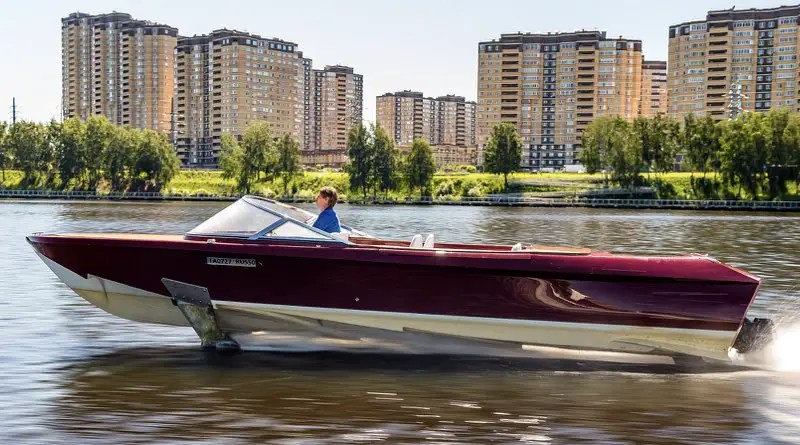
(785, 349)
(782, 354)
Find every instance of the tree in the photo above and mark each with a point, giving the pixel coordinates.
(792, 141)
(28, 143)
(258, 144)
(745, 150)
(231, 161)
(644, 130)
(155, 159)
(245, 160)
(611, 144)
(5, 155)
(361, 152)
(288, 165)
(701, 141)
(593, 151)
(665, 143)
(420, 167)
(386, 163)
(777, 120)
(624, 153)
(98, 135)
(120, 157)
(780, 150)
(70, 151)
(503, 151)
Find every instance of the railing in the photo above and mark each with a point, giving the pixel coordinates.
(507, 200)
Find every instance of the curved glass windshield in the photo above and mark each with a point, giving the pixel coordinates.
(259, 218)
(239, 218)
(284, 209)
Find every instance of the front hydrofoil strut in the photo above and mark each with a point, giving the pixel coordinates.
(195, 304)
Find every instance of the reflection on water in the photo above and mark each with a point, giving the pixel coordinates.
(70, 373)
(335, 397)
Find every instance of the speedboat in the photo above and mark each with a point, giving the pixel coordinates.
(260, 266)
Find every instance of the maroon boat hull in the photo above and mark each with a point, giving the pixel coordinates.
(686, 292)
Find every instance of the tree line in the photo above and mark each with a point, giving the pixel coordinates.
(76, 154)
(376, 165)
(257, 152)
(756, 152)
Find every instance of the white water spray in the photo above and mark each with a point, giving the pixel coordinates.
(784, 351)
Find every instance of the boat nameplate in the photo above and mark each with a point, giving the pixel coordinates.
(235, 262)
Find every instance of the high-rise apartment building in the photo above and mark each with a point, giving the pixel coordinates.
(654, 88)
(754, 47)
(407, 115)
(225, 81)
(445, 120)
(335, 106)
(118, 67)
(455, 119)
(551, 86)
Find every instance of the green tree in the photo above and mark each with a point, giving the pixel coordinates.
(792, 141)
(745, 144)
(5, 155)
(419, 166)
(28, 143)
(503, 151)
(155, 159)
(288, 165)
(592, 154)
(119, 159)
(387, 162)
(231, 161)
(70, 151)
(700, 141)
(646, 133)
(361, 151)
(777, 121)
(98, 135)
(258, 144)
(245, 160)
(612, 144)
(666, 138)
(53, 138)
(624, 153)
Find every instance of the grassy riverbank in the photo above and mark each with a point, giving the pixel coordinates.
(449, 185)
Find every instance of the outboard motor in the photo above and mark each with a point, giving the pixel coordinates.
(755, 334)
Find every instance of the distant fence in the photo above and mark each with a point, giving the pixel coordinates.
(496, 200)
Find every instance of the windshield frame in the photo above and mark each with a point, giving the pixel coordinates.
(263, 234)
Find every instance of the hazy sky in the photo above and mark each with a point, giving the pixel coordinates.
(425, 45)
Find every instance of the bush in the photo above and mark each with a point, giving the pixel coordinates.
(445, 188)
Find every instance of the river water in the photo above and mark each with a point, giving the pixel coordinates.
(70, 373)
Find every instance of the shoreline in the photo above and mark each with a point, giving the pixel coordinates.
(496, 200)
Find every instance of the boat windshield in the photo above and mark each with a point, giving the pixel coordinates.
(239, 218)
(258, 218)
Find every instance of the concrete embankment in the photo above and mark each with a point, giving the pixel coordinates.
(496, 200)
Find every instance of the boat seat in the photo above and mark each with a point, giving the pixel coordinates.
(429, 243)
(516, 247)
(416, 241)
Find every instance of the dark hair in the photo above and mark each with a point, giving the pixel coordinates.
(330, 194)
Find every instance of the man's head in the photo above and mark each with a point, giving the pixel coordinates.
(327, 197)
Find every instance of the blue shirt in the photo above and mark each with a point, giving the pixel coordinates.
(328, 221)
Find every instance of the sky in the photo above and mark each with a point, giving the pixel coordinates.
(423, 45)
